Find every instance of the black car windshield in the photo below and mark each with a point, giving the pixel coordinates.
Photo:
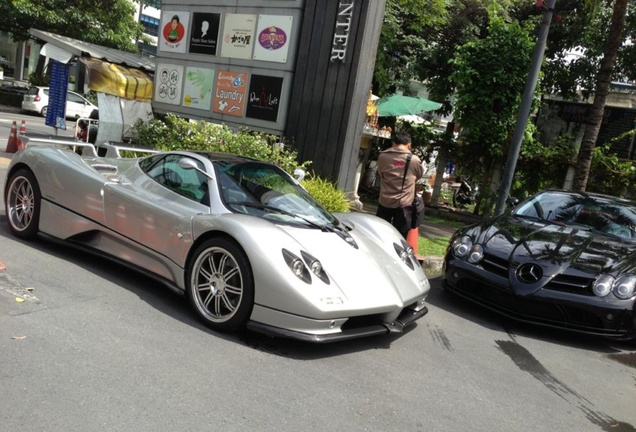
(263, 190)
(600, 213)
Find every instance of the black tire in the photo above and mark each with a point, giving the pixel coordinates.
(44, 110)
(216, 266)
(23, 202)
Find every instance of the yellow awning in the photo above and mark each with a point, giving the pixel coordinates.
(117, 80)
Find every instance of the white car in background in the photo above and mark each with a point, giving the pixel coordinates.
(37, 100)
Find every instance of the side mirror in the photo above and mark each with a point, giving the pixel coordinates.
(512, 201)
(299, 174)
(190, 164)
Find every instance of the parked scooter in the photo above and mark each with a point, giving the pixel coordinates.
(465, 194)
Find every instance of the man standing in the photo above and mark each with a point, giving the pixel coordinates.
(397, 182)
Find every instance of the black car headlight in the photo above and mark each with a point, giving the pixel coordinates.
(406, 254)
(625, 287)
(475, 254)
(461, 246)
(603, 285)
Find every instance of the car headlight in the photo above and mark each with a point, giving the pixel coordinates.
(475, 254)
(603, 285)
(406, 254)
(625, 287)
(462, 246)
(315, 267)
(297, 266)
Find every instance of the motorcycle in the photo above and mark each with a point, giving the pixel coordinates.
(465, 194)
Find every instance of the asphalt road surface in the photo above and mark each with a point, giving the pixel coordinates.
(88, 345)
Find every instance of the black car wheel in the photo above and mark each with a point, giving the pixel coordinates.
(220, 284)
(22, 202)
(44, 110)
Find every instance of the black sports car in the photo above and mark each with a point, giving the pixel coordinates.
(559, 259)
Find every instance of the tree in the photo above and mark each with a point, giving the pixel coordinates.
(603, 81)
(110, 23)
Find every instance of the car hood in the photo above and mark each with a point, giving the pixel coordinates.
(554, 246)
(368, 275)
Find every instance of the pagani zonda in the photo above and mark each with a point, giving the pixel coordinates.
(245, 242)
(559, 259)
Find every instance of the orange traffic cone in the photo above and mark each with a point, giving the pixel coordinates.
(412, 239)
(12, 144)
(22, 131)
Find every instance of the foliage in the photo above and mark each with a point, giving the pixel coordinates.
(499, 61)
(327, 194)
(176, 133)
(108, 23)
(404, 40)
(39, 80)
(433, 247)
(610, 175)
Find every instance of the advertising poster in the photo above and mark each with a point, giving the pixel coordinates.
(204, 35)
(168, 81)
(238, 36)
(230, 93)
(174, 27)
(264, 97)
(272, 38)
(58, 89)
(197, 88)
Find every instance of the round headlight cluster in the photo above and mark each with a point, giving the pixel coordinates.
(623, 288)
(461, 246)
(464, 248)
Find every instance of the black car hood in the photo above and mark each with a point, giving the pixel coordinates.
(555, 247)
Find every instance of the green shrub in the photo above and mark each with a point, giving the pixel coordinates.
(327, 194)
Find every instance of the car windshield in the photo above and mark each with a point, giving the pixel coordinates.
(600, 213)
(263, 190)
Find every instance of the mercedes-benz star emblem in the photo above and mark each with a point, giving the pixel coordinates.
(529, 273)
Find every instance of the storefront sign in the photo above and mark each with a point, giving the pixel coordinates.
(168, 80)
(272, 38)
(264, 97)
(230, 94)
(238, 36)
(197, 88)
(204, 35)
(172, 36)
(341, 32)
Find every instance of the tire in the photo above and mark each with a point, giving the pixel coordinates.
(23, 202)
(217, 265)
(44, 110)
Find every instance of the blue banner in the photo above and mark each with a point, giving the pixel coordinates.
(58, 88)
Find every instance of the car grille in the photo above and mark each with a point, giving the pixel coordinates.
(571, 284)
(495, 265)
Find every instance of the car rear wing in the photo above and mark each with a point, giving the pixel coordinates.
(108, 149)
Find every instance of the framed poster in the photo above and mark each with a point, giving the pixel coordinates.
(168, 82)
(197, 88)
(272, 38)
(264, 97)
(174, 27)
(238, 36)
(230, 93)
(204, 34)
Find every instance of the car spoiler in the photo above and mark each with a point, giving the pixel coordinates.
(107, 149)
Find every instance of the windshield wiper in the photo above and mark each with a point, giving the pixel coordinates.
(326, 227)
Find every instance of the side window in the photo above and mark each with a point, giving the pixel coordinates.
(72, 97)
(188, 183)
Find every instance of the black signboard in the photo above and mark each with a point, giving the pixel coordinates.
(204, 33)
(58, 88)
(264, 97)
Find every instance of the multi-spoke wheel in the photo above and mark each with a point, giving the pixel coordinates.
(22, 202)
(220, 284)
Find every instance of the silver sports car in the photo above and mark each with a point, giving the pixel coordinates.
(240, 237)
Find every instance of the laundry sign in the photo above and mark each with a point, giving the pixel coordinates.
(230, 93)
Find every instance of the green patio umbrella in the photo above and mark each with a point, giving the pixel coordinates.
(397, 105)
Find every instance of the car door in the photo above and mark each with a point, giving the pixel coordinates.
(155, 209)
(75, 105)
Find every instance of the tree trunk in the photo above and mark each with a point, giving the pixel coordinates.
(604, 78)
